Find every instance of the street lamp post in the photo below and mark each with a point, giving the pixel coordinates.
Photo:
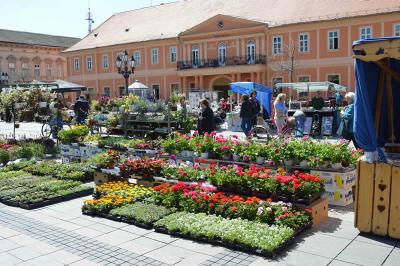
(126, 67)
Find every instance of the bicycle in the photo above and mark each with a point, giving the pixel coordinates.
(51, 127)
(268, 130)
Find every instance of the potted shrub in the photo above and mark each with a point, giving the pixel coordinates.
(74, 135)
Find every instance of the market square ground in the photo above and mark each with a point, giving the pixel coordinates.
(60, 235)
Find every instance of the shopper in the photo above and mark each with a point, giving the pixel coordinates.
(246, 114)
(206, 118)
(318, 102)
(348, 118)
(81, 109)
(300, 119)
(339, 99)
(183, 108)
(281, 112)
(256, 107)
(56, 107)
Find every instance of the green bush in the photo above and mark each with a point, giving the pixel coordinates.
(4, 156)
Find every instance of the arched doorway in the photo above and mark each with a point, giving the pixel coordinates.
(221, 84)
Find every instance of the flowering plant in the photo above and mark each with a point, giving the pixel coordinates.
(106, 160)
(146, 167)
(300, 185)
(199, 198)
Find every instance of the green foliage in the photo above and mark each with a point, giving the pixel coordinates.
(4, 156)
(251, 234)
(75, 134)
(141, 212)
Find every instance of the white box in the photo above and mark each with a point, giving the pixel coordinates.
(85, 151)
(66, 150)
(340, 197)
(337, 180)
(76, 152)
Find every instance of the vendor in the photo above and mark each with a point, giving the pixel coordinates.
(206, 118)
(318, 102)
(348, 119)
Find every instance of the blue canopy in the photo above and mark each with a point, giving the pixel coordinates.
(368, 67)
(264, 94)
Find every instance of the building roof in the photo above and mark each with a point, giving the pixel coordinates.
(23, 37)
(168, 20)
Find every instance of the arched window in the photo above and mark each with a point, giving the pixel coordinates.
(222, 54)
(251, 52)
(195, 56)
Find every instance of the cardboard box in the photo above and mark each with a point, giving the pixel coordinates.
(339, 197)
(85, 151)
(336, 180)
(318, 209)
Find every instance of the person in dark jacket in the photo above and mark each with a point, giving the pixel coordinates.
(206, 118)
(256, 107)
(81, 109)
(247, 115)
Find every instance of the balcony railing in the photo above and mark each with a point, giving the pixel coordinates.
(229, 61)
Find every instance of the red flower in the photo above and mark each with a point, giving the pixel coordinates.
(234, 209)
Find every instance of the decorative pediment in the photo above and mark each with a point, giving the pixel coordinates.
(11, 58)
(222, 23)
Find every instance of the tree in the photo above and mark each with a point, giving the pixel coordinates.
(285, 62)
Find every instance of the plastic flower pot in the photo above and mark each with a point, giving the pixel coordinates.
(236, 157)
(337, 166)
(204, 155)
(226, 157)
(288, 162)
(303, 164)
(260, 160)
(190, 154)
(324, 165)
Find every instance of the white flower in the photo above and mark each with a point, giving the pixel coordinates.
(269, 209)
(260, 210)
(284, 209)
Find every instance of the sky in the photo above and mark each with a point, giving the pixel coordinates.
(63, 17)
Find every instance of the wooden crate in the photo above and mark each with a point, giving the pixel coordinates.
(101, 178)
(318, 209)
(377, 201)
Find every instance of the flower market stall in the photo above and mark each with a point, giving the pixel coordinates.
(377, 131)
(264, 96)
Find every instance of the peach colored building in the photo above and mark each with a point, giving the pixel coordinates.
(206, 44)
(27, 56)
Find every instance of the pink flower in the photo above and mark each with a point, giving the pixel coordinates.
(173, 157)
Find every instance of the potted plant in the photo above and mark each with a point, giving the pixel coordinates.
(106, 160)
(236, 150)
(206, 146)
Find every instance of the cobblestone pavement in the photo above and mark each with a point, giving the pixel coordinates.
(61, 235)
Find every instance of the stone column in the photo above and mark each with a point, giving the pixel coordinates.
(201, 82)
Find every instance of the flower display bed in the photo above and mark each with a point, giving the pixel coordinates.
(251, 237)
(21, 189)
(255, 181)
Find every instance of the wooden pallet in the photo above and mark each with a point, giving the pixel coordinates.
(377, 201)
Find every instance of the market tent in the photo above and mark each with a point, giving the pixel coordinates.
(264, 94)
(139, 89)
(377, 102)
(312, 86)
(137, 85)
(61, 86)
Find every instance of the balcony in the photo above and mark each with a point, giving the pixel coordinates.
(216, 63)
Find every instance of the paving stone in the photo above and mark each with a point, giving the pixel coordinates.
(161, 237)
(136, 230)
(6, 245)
(198, 247)
(331, 245)
(43, 261)
(116, 237)
(293, 258)
(88, 232)
(364, 253)
(377, 240)
(24, 253)
(393, 259)
(142, 245)
(340, 263)
(8, 259)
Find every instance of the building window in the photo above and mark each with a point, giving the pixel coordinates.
(11, 67)
(396, 30)
(49, 70)
(277, 45)
(366, 33)
(303, 42)
(77, 64)
(91, 93)
(333, 40)
(89, 63)
(195, 56)
(154, 56)
(156, 91)
(37, 71)
(137, 57)
(104, 61)
(222, 54)
(251, 52)
(334, 78)
(121, 91)
(60, 71)
(276, 80)
(303, 79)
(174, 88)
(25, 66)
(172, 55)
(107, 91)
(303, 95)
